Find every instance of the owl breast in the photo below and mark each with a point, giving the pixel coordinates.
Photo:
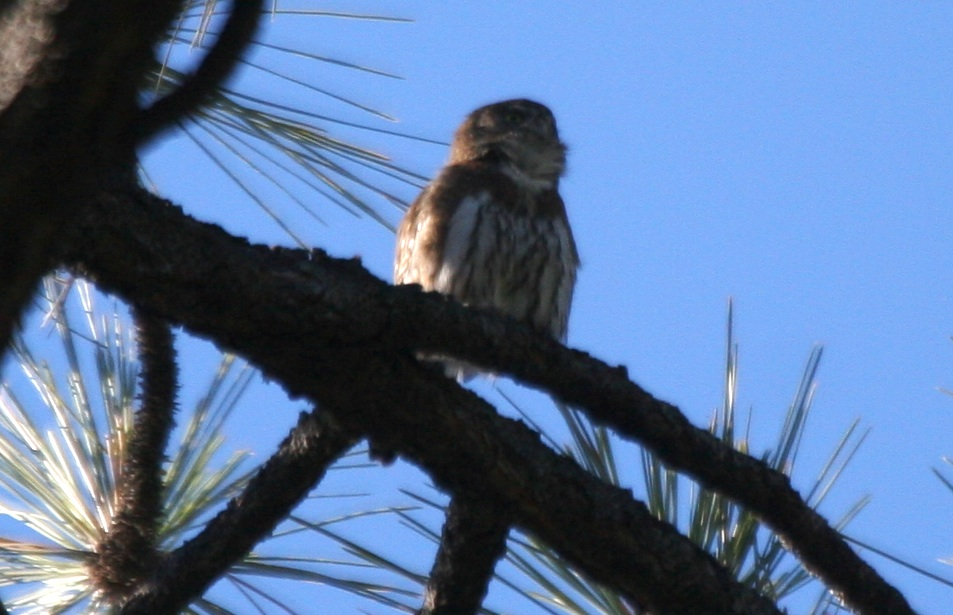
(519, 260)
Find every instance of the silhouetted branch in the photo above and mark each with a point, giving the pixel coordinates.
(297, 315)
(216, 66)
(127, 553)
(609, 398)
(328, 330)
(282, 482)
(473, 539)
(68, 88)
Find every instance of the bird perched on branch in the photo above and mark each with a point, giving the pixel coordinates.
(491, 229)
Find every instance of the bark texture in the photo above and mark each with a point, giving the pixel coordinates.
(127, 553)
(473, 539)
(70, 76)
(329, 331)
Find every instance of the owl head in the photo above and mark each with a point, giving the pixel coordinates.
(518, 135)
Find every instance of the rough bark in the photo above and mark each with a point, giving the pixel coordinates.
(127, 553)
(473, 539)
(70, 73)
(330, 331)
(280, 484)
(68, 87)
(70, 79)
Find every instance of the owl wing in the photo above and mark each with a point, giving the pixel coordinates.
(418, 246)
(559, 281)
(434, 235)
(432, 240)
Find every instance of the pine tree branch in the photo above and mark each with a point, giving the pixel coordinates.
(127, 554)
(331, 332)
(70, 72)
(609, 398)
(71, 122)
(473, 540)
(280, 484)
(328, 330)
(217, 65)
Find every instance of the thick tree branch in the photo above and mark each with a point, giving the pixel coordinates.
(300, 463)
(216, 66)
(70, 73)
(69, 80)
(127, 554)
(608, 397)
(282, 313)
(473, 539)
(325, 329)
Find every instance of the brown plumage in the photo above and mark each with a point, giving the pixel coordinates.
(491, 229)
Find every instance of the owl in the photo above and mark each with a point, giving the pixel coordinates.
(491, 229)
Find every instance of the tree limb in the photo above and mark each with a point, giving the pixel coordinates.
(216, 66)
(335, 317)
(70, 73)
(609, 398)
(325, 329)
(300, 463)
(473, 539)
(127, 554)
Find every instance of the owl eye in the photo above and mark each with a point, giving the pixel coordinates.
(512, 117)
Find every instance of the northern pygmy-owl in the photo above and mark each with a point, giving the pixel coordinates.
(491, 229)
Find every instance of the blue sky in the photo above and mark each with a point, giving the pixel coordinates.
(796, 157)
